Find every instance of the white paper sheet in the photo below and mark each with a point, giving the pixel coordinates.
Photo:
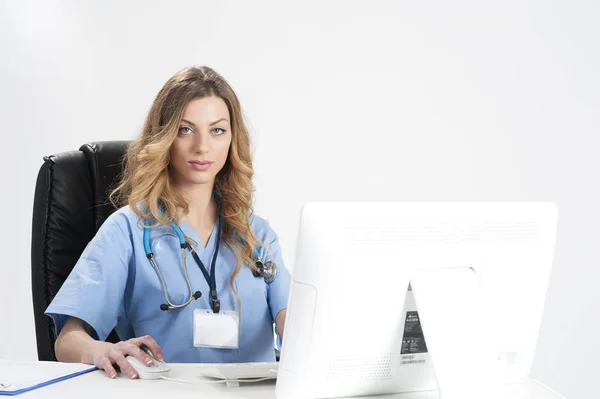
(18, 375)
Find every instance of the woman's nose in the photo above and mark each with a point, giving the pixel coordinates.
(202, 143)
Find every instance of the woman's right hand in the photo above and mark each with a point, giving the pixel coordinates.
(105, 355)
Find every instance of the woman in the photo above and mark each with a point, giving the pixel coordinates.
(184, 235)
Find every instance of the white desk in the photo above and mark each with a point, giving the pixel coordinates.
(96, 385)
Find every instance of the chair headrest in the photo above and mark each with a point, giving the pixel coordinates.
(105, 160)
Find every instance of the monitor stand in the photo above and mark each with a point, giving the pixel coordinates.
(462, 356)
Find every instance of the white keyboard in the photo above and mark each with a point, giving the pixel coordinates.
(237, 371)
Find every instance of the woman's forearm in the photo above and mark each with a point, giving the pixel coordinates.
(280, 322)
(74, 343)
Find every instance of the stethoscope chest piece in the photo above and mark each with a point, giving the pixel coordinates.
(266, 270)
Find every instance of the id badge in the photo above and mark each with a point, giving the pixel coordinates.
(216, 330)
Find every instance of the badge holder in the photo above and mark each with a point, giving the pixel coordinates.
(463, 360)
(216, 330)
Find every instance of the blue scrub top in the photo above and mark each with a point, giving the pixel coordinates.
(113, 285)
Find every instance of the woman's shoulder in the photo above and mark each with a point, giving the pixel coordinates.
(124, 218)
(262, 228)
(114, 235)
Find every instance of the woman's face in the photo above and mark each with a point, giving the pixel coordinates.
(200, 150)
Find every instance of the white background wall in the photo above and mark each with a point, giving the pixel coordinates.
(382, 100)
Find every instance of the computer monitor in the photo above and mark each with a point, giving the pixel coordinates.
(478, 273)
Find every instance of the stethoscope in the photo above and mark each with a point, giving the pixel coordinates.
(267, 270)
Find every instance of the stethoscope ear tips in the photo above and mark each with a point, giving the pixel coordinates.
(164, 306)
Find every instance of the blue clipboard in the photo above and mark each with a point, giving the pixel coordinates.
(45, 383)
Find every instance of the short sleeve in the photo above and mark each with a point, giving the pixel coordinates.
(94, 290)
(279, 288)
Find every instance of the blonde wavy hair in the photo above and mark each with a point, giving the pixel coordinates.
(146, 184)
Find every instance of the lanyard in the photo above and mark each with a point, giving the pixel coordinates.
(210, 277)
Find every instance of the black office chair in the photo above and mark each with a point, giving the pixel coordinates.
(70, 205)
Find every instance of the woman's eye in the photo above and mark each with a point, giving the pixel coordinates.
(218, 131)
(185, 130)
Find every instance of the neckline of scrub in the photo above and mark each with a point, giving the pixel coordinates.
(205, 253)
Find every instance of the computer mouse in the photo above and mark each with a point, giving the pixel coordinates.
(155, 371)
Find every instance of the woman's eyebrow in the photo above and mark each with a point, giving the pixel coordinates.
(213, 123)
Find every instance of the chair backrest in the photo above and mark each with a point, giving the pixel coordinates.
(70, 204)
